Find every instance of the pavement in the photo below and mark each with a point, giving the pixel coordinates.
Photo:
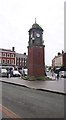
(56, 86)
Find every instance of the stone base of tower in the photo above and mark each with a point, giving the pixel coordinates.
(36, 61)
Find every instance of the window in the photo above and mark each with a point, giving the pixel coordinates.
(20, 64)
(17, 60)
(12, 55)
(0, 60)
(20, 60)
(12, 61)
(8, 61)
(25, 63)
(23, 60)
(0, 54)
(4, 54)
(3, 61)
(8, 55)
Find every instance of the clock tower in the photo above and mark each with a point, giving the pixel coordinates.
(36, 53)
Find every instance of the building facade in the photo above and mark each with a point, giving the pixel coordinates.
(7, 57)
(21, 60)
(59, 60)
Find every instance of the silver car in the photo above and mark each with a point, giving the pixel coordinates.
(3, 72)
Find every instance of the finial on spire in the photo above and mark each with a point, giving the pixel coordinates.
(35, 20)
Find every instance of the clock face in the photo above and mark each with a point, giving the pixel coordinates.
(33, 38)
(31, 35)
(37, 34)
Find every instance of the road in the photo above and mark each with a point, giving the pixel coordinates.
(31, 103)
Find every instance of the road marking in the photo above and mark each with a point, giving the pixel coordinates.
(9, 113)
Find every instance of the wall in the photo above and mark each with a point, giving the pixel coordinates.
(36, 61)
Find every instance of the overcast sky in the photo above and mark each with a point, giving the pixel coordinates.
(17, 17)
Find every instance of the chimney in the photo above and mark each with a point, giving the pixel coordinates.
(62, 51)
(59, 53)
(13, 48)
(24, 53)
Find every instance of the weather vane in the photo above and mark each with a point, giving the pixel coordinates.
(35, 20)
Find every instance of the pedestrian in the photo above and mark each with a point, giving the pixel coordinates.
(57, 75)
(11, 73)
(52, 73)
(8, 73)
(23, 72)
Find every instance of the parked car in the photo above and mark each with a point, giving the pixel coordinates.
(62, 74)
(55, 74)
(47, 70)
(16, 73)
(3, 72)
(24, 72)
(20, 71)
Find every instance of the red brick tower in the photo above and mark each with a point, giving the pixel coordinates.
(36, 53)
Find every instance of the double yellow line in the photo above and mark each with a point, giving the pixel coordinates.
(9, 113)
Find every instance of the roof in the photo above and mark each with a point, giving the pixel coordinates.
(8, 50)
(36, 26)
(21, 55)
(57, 56)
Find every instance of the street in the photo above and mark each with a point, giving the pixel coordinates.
(31, 103)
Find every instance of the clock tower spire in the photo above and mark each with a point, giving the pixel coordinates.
(35, 20)
(36, 56)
